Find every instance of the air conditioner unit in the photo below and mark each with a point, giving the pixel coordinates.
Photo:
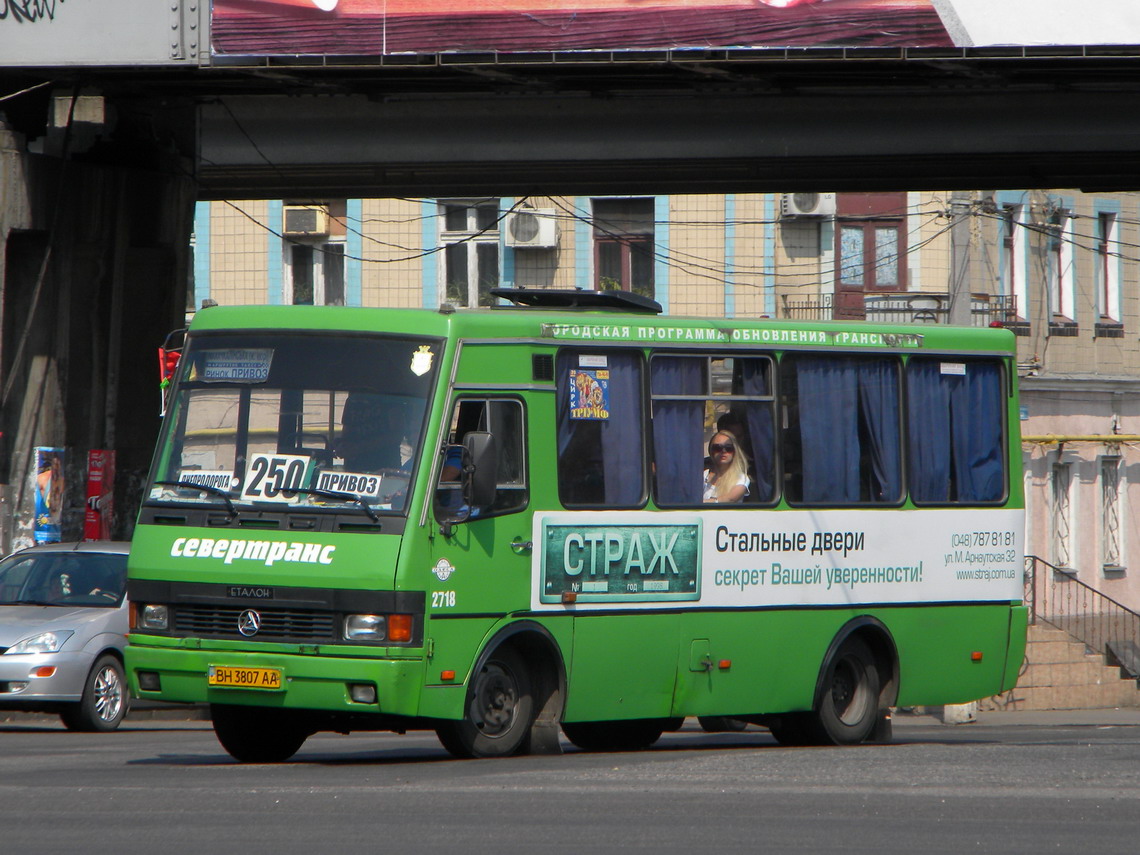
(808, 205)
(305, 220)
(531, 228)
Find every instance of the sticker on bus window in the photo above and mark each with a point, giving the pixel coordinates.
(218, 479)
(590, 394)
(422, 360)
(275, 477)
(952, 368)
(364, 484)
(235, 365)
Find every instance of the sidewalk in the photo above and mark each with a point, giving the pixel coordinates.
(1119, 717)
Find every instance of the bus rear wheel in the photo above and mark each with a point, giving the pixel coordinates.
(257, 735)
(721, 724)
(793, 728)
(498, 713)
(849, 705)
(631, 735)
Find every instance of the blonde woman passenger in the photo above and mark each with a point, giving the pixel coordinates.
(726, 479)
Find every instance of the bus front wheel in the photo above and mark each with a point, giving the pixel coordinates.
(849, 705)
(257, 735)
(498, 712)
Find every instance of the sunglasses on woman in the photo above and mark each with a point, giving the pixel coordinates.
(717, 447)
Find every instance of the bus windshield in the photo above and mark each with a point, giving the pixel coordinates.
(286, 420)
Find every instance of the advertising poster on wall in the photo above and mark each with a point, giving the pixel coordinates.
(371, 27)
(100, 494)
(48, 492)
(383, 27)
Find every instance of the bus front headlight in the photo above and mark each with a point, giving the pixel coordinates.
(365, 628)
(154, 617)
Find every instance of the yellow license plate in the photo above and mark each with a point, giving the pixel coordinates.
(244, 678)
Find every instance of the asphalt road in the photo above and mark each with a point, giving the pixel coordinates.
(1010, 783)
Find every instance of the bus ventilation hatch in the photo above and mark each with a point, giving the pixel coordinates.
(542, 367)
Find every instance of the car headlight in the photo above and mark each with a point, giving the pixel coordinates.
(45, 642)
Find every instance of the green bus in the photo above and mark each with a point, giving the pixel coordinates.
(570, 514)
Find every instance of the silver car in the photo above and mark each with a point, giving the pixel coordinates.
(63, 626)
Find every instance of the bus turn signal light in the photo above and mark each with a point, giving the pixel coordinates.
(976, 656)
(399, 627)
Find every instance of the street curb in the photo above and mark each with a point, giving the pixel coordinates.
(139, 711)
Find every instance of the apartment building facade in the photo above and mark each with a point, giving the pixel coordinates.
(1060, 268)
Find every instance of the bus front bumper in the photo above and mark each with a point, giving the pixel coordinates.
(289, 680)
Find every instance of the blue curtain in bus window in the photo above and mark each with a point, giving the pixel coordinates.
(928, 408)
(829, 430)
(976, 411)
(678, 428)
(761, 430)
(600, 460)
(879, 404)
(955, 432)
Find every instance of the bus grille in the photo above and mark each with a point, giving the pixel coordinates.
(276, 624)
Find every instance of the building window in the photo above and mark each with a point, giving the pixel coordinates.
(1111, 558)
(314, 253)
(316, 274)
(623, 245)
(469, 235)
(1108, 267)
(1062, 287)
(871, 247)
(1014, 251)
(1062, 515)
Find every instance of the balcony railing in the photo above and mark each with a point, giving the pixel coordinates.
(905, 308)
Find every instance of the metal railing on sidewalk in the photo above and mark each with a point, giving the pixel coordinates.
(1106, 627)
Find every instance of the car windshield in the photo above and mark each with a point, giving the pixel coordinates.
(293, 420)
(63, 579)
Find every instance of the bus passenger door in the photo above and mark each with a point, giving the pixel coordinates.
(479, 556)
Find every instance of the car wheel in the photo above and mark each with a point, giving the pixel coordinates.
(105, 701)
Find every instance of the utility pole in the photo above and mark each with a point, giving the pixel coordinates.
(960, 204)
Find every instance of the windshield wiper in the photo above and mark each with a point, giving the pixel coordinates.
(333, 494)
(205, 488)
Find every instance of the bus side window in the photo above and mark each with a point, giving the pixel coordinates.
(601, 446)
(503, 418)
(841, 430)
(956, 438)
(693, 398)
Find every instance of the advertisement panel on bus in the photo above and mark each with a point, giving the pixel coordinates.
(816, 558)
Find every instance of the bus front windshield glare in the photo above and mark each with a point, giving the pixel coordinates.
(280, 421)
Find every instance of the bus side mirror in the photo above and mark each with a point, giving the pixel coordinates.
(483, 460)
